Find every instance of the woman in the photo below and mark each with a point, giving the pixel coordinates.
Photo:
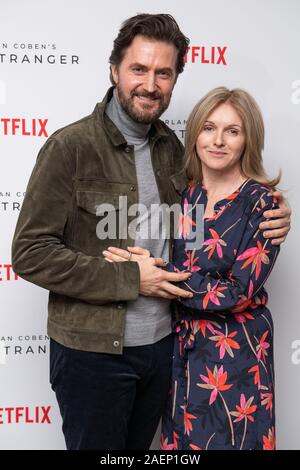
(223, 375)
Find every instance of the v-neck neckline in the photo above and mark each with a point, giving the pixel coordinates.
(223, 203)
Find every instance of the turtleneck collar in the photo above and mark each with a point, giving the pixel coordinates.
(132, 130)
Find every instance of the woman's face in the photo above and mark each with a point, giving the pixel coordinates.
(221, 142)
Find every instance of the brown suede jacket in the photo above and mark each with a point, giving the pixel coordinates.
(81, 166)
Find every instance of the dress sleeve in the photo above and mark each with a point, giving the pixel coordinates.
(254, 260)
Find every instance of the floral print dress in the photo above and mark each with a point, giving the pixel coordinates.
(222, 391)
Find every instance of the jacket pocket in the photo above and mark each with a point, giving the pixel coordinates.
(96, 225)
(179, 181)
(96, 202)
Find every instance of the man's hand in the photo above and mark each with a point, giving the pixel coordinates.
(278, 228)
(155, 282)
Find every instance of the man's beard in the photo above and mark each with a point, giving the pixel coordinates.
(148, 116)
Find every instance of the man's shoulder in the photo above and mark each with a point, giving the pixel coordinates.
(164, 128)
(167, 129)
(74, 130)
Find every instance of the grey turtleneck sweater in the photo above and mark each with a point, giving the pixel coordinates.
(148, 319)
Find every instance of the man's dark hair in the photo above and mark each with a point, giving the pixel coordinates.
(161, 27)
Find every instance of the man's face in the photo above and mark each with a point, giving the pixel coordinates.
(145, 78)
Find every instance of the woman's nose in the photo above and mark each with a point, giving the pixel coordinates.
(219, 139)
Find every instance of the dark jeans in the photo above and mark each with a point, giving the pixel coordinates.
(111, 402)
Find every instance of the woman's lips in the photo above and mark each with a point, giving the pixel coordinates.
(217, 153)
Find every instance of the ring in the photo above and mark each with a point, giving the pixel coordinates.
(129, 256)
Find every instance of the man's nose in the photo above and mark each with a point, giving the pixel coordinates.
(150, 83)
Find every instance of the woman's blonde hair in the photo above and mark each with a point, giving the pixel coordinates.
(253, 126)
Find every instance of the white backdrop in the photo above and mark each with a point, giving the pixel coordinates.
(259, 40)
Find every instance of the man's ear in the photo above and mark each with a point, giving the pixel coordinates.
(114, 73)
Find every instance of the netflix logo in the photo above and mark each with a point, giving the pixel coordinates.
(22, 126)
(206, 55)
(25, 415)
(6, 273)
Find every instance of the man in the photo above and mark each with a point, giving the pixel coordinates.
(109, 323)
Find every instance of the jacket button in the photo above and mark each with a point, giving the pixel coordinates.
(116, 344)
(120, 306)
(127, 149)
(132, 188)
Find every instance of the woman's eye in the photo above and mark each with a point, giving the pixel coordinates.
(208, 128)
(233, 131)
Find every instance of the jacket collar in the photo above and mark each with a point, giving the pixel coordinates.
(157, 129)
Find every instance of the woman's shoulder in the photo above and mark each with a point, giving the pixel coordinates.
(259, 196)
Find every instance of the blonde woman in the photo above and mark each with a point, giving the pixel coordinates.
(222, 394)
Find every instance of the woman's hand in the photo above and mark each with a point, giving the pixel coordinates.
(134, 253)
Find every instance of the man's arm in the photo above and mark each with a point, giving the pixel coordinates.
(279, 227)
(39, 254)
(252, 266)
(154, 281)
